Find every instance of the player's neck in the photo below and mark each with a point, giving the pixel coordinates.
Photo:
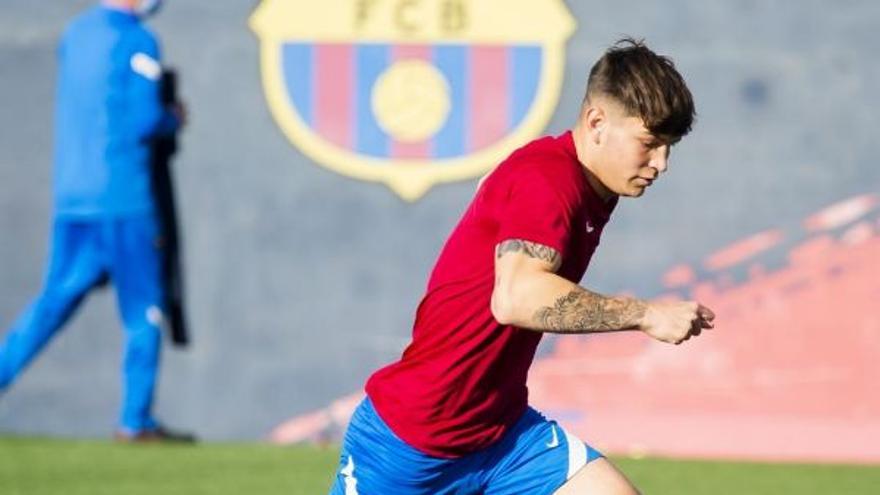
(587, 156)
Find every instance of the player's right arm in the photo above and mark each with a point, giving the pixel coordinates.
(529, 294)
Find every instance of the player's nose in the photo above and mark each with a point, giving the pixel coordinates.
(660, 159)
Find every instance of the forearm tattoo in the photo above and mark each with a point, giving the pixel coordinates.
(530, 249)
(583, 311)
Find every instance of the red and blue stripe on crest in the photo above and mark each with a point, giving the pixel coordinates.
(491, 90)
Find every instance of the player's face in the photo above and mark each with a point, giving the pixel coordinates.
(631, 157)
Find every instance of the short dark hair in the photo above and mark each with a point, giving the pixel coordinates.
(647, 85)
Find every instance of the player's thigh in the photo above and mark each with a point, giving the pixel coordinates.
(599, 477)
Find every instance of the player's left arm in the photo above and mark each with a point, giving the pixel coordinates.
(529, 294)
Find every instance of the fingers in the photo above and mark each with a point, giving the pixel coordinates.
(702, 319)
(696, 327)
(705, 318)
(676, 322)
(179, 110)
(683, 339)
(705, 313)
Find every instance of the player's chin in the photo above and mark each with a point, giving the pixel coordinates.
(634, 191)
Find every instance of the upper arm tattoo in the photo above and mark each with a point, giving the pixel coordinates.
(530, 249)
(582, 311)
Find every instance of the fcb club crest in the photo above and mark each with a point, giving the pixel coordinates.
(411, 92)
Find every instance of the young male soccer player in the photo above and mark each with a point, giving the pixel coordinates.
(452, 416)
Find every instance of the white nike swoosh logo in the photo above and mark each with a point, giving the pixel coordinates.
(555, 441)
(590, 228)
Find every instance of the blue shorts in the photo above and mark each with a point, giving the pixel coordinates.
(536, 456)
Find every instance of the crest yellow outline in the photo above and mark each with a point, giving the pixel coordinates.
(410, 179)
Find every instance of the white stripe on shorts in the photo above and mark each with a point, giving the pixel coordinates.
(577, 453)
(350, 481)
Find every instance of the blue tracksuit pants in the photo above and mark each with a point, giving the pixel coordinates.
(83, 252)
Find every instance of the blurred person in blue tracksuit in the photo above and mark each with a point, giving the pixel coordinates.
(105, 219)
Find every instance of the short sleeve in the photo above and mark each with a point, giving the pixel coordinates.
(538, 209)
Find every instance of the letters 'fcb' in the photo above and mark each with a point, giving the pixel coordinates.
(411, 92)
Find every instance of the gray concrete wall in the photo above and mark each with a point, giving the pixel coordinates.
(301, 281)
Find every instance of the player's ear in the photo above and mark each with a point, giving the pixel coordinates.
(595, 121)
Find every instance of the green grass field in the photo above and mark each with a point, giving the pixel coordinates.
(30, 466)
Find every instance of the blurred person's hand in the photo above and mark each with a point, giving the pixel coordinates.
(179, 111)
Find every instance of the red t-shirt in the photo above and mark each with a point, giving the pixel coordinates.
(461, 383)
